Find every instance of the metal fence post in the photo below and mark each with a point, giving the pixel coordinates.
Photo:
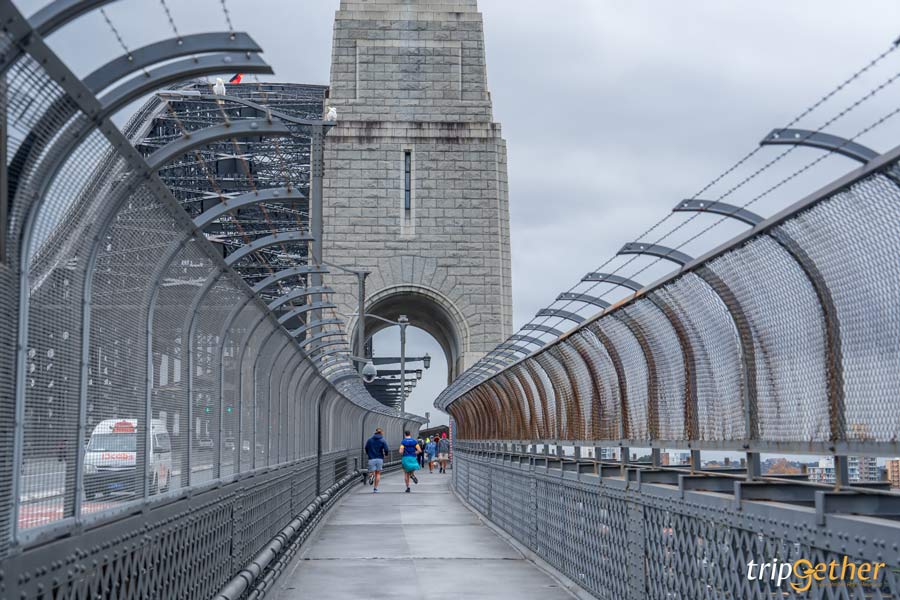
(636, 550)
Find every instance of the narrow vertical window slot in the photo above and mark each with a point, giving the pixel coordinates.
(407, 183)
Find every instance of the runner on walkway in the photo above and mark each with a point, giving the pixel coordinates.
(377, 450)
(443, 449)
(409, 449)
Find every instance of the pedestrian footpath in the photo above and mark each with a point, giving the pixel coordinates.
(425, 544)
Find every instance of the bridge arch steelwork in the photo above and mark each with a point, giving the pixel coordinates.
(124, 313)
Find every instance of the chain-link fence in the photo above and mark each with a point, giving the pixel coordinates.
(159, 423)
(782, 340)
(636, 537)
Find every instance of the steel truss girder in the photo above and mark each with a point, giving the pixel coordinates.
(305, 125)
(821, 140)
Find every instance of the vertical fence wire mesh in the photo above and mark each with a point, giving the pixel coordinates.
(127, 386)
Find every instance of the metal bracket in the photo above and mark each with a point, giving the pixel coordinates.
(188, 68)
(320, 336)
(655, 250)
(613, 279)
(263, 242)
(527, 339)
(208, 135)
(585, 298)
(719, 208)
(302, 310)
(555, 312)
(284, 274)
(542, 328)
(151, 54)
(519, 349)
(296, 293)
(60, 13)
(229, 204)
(818, 139)
(314, 325)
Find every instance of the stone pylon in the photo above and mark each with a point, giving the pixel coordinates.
(415, 185)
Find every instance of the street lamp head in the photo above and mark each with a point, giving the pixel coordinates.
(427, 361)
(419, 374)
(369, 372)
(402, 319)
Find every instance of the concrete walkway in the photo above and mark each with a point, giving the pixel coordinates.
(424, 544)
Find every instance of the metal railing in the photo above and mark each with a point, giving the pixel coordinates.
(160, 427)
(632, 532)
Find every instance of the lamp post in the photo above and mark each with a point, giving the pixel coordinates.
(402, 322)
(361, 274)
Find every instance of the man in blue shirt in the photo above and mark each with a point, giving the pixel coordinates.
(376, 449)
(409, 450)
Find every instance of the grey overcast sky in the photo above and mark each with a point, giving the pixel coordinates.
(613, 110)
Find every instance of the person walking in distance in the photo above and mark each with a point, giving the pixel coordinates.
(409, 451)
(377, 450)
(421, 457)
(431, 453)
(443, 450)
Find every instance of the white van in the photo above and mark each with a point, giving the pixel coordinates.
(111, 456)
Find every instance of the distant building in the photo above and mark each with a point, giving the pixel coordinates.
(893, 472)
(860, 468)
(675, 458)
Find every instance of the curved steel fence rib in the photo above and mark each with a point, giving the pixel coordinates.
(119, 97)
(151, 54)
(819, 139)
(250, 199)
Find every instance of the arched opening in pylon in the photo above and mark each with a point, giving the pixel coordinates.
(427, 310)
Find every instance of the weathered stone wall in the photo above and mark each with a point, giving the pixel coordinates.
(410, 75)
